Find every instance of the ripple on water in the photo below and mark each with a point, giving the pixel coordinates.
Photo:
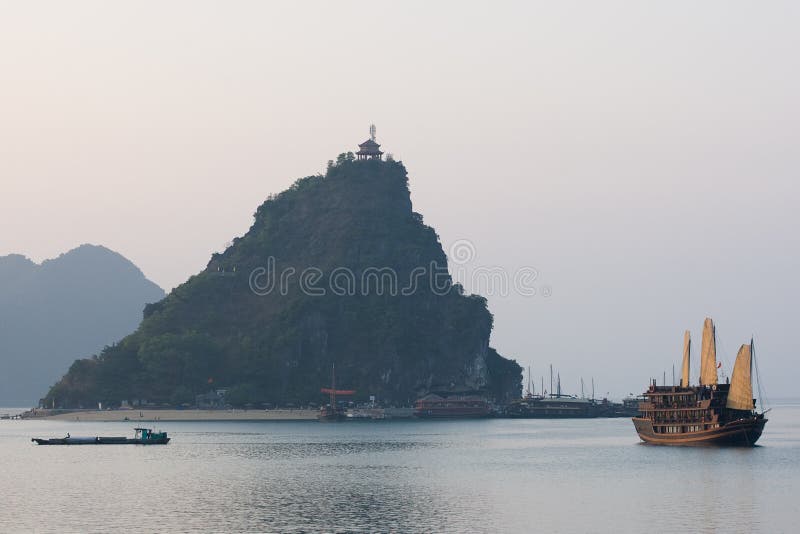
(477, 476)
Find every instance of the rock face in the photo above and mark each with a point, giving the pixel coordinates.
(62, 309)
(337, 269)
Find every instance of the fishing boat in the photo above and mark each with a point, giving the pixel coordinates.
(142, 436)
(709, 413)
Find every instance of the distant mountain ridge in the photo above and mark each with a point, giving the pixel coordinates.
(215, 330)
(63, 308)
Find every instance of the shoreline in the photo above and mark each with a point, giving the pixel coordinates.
(145, 416)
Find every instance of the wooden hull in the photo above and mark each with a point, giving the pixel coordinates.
(742, 432)
(331, 416)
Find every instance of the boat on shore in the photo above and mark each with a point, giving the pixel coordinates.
(142, 436)
(706, 414)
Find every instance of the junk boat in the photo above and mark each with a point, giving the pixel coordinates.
(434, 406)
(333, 412)
(554, 407)
(709, 413)
(143, 436)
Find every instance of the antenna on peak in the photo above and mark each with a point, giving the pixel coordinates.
(372, 131)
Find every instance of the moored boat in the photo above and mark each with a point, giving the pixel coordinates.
(142, 436)
(629, 406)
(332, 412)
(709, 413)
(433, 406)
(559, 406)
(554, 407)
(365, 414)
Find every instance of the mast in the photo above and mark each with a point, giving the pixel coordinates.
(687, 348)
(582, 395)
(740, 395)
(761, 397)
(529, 381)
(708, 354)
(559, 385)
(333, 385)
(592, 388)
(551, 379)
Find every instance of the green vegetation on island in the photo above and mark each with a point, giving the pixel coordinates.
(336, 269)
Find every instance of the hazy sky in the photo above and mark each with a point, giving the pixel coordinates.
(642, 156)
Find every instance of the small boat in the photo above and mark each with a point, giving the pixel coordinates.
(143, 436)
(709, 413)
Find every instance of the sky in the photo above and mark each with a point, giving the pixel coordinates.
(642, 157)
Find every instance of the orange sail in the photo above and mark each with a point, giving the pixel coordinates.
(687, 347)
(708, 354)
(740, 396)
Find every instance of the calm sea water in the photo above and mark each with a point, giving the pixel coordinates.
(414, 476)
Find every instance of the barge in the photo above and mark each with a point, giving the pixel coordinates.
(142, 436)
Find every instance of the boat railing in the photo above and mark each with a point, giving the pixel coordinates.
(671, 406)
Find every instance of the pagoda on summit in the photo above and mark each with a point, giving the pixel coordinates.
(369, 149)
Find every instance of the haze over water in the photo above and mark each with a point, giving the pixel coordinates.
(416, 476)
(642, 157)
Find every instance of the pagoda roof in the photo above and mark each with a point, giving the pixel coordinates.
(369, 147)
